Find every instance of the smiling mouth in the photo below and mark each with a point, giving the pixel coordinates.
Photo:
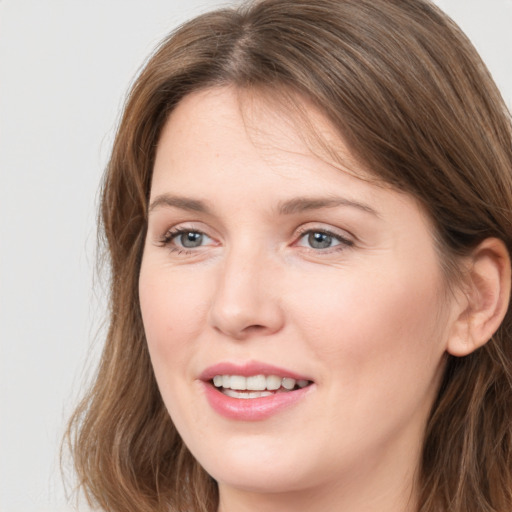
(256, 386)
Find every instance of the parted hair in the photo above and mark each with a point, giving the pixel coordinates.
(411, 98)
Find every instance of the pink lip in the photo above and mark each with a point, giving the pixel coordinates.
(250, 409)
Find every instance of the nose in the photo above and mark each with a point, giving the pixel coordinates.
(246, 299)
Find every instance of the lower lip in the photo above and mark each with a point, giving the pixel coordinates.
(252, 409)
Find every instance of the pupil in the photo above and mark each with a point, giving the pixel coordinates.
(191, 239)
(319, 240)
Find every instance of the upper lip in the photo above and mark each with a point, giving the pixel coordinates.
(247, 369)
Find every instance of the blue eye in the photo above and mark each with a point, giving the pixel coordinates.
(185, 239)
(321, 240)
(190, 239)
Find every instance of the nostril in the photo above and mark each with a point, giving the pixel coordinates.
(254, 328)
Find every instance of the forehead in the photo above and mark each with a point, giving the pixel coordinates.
(246, 127)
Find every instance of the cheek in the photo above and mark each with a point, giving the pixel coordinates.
(376, 322)
(171, 311)
(380, 343)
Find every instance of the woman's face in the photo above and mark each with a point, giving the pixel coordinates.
(267, 267)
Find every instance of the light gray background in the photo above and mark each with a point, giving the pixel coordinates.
(64, 69)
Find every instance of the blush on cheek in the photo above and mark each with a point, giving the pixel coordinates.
(378, 324)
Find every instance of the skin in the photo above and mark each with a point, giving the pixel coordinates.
(368, 319)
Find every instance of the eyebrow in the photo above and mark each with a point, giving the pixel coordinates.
(289, 207)
(184, 203)
(302, 204)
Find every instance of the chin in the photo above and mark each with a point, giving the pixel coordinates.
(260, 478)
(257, 466)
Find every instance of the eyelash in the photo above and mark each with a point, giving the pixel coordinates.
(172, 234)
(344, 242)
(169, 237)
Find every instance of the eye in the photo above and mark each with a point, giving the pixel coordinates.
(185, 239)
(189, 239)
(322, 239)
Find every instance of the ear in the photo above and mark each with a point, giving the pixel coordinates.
(486, 292)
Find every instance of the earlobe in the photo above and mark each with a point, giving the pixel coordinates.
(487, 296)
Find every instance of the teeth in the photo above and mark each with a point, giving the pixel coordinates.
(241, 383)
(256, 383)
(252, 394)
(288, 383)
(273, 382)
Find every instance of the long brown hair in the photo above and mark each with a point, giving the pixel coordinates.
(410, 96)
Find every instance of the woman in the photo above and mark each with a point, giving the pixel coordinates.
(308, 212)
